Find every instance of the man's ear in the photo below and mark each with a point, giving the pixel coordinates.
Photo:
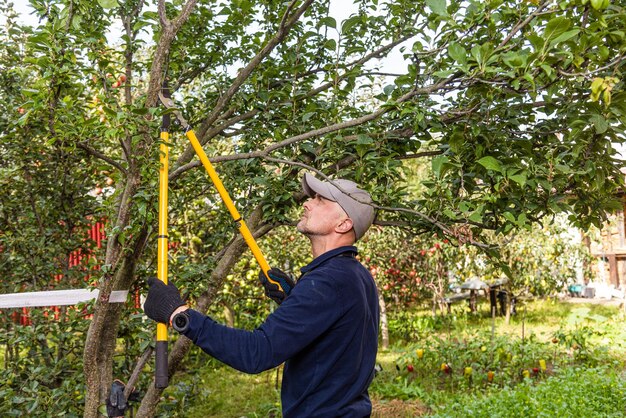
(345, 226)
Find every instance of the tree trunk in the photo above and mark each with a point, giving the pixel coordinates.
(384, 326)
(102, 333)
(507, 307)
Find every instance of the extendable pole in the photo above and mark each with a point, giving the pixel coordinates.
(161, 378)
(243, 228)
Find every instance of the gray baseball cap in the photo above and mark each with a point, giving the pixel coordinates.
(355, 202)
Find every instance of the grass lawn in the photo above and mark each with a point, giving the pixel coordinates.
(214, 390)
(585, 369)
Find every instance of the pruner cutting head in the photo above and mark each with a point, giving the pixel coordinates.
(169, 103)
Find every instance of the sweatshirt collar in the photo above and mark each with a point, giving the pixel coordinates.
(345, 250)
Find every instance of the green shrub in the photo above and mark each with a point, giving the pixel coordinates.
(595, 392)
(42, 376)
(42, 373)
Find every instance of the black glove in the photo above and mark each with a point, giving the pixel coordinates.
(162, 300)
(271, 290)
(116, 402)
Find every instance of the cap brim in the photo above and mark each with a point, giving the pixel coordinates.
(312, 186)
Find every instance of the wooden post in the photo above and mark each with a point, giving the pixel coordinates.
(621, 216)
(613, 273)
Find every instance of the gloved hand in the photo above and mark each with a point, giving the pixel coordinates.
(116, 402)
(162, 300)
(271, 290)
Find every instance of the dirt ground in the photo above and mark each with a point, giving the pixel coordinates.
(398, 408)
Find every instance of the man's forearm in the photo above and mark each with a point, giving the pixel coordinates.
(246, 351)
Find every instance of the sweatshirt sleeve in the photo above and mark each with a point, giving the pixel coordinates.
(311, 309)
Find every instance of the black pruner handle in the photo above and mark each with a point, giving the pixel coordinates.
(161, 378)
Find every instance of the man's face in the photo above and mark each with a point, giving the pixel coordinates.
(320, 216)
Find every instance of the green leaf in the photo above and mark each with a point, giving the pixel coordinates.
(438, 6)
(519, 179)
(457, 53)
(599, 4)
(443, 73)
(362, 139)
(477, 53)
(328, 21)
(515, 59)
(565, 36)
(476, 217)
(108, 4)
(490, 163)
(599, 123)
(456, 140)
(349, 24)
(548, 70)
(556, 27)
(598, 318)
(449, 213)
(597, 85)
(509, 217)
(563, 168)
(438, 163)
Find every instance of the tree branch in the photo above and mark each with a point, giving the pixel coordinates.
(130, 385)
(102, 156)
(524, 22)
(286, 24)
(360, 120)
(170, 29)
(427, 218)
(374, 54)
(317, 132)
(613, 63)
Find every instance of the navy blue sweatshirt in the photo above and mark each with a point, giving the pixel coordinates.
(326, 332)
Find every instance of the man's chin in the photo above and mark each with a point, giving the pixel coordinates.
(304, 231)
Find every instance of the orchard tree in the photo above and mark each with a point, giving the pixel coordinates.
(516, 107)
(540, 262)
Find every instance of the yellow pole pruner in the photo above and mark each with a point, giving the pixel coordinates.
(161, 379)
(243, 228)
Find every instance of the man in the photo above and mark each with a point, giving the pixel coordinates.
(326, 327)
